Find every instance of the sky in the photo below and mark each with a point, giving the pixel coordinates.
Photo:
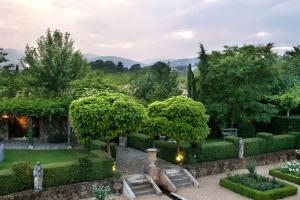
(150, 29)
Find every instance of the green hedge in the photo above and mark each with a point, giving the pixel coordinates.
(254, 146)
(268, 137)
(297, 136)
(139, 141)
(55, 174)
(282, 142)
(167, 150)
(284, 124)
(216, 151)
(287, 190)
(100, 145)
(285, 176)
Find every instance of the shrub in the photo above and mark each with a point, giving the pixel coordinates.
(216, 151)
(246, 130)
(57, 138)
(251, 167)
(55, 174)
(233, 139)
(268, 137)
(139, 141)
(282, 142)
(279, 193)
(101, 192)
(285, 176)
(284, 124)
(297, 136)
(167, 150)
(254, 146)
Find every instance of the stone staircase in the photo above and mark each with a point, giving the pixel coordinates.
(142, 188)
(179, 178)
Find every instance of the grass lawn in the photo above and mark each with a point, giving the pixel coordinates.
(212, 140)
(43, 156)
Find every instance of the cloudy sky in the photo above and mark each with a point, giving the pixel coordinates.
(143, 29)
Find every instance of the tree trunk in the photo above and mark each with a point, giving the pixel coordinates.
(108, 149)
(288, 113)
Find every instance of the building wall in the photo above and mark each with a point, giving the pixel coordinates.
(56, 126)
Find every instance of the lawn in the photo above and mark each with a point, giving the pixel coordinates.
(43, 156)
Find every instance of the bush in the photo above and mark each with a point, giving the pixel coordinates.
(285, 176)
(246, 130)
(279, 193)
(284, 124)
(57, 138)
(297, 137)
(283, 142)
(55, 174)
(268, 137)
(139, 141)
(167, 150)
(254, 146)
(216, 151)
(233, 139)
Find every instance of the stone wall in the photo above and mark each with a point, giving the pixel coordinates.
(66, 192)
(3, 130)
(220, 166)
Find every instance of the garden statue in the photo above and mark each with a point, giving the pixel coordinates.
(38, 177)
(241, 148)
(1, 153)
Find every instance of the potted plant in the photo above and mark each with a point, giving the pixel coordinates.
(118, 182)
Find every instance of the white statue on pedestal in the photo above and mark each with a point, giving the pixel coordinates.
(38, 177)
(241, 148)
(1, 152)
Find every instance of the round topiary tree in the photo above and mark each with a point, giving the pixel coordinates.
(179, 118)
(105, 116)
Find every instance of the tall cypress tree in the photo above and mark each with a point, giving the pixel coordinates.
(203, 69)
(190, 82)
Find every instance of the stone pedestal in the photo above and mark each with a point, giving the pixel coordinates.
(122, 141)
(151, 169)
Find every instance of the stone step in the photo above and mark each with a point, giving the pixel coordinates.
(183, 184)
(176, 174)
(144, 192)
(180, 178)
(138, 182)
(141, 186)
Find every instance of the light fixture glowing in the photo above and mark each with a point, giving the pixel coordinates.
(5, 116)
(179, 157)
(114, 167)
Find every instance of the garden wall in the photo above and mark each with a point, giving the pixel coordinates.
(66, 192)
(220, 166)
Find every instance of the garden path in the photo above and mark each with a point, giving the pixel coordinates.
(132, 161)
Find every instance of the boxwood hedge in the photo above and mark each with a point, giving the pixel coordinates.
(139, 141)
(285, 176)
(287, 190)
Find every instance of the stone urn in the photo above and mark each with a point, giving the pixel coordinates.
(122, 141)
(151, 155)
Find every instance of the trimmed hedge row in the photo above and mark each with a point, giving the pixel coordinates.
(284, 124)
(139, 141)
(287, 190)
(282, 142)
(285, 176)
(167, 150)
(55, 174)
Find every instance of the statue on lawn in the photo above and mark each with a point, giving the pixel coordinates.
(38, 177)
(1, 152)
(241, 149)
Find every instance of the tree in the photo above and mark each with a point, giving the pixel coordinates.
(191, 83)
(179, 118)
(135, 67)
(54, 62)
(237, 83)
(157, 83)
(105, 116)
(120, 66)
(203, 69)
(289, 100)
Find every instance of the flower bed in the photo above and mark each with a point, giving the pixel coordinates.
(258, 190)
(290, 172)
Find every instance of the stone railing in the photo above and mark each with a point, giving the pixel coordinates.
(220, 166)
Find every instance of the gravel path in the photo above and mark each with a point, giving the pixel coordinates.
(132, 161)
(210, 190)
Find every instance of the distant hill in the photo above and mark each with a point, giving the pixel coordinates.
(182, 62)
(14, 55)
(126, 62)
